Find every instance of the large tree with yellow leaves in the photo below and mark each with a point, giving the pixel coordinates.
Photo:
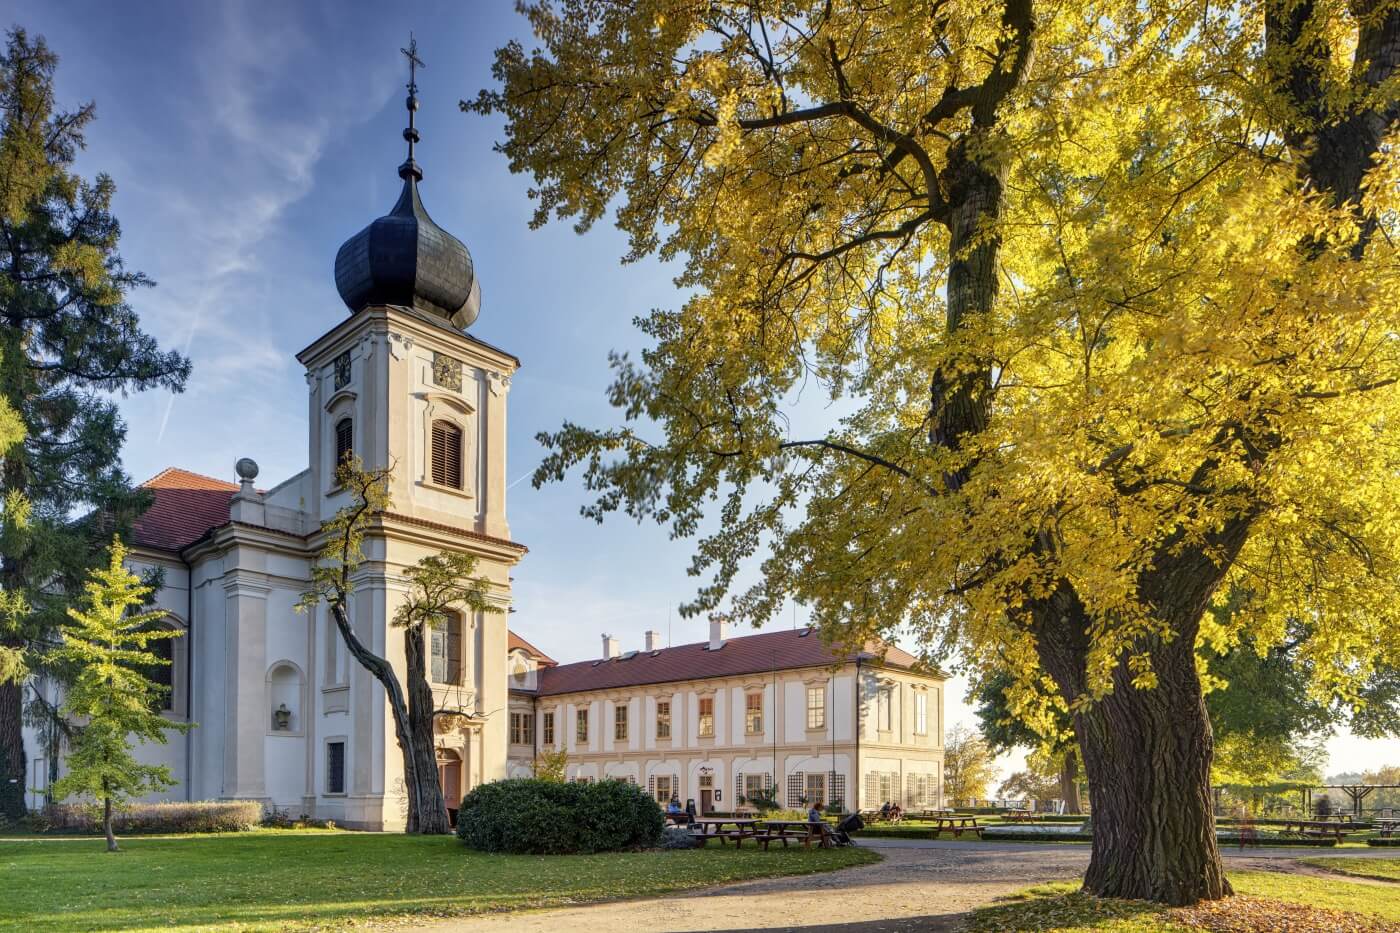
(1109, 291)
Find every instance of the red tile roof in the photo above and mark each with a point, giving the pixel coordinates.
(517, 642)
(747, 654)
(186, 506)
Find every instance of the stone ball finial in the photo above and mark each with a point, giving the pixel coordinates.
(246, 468)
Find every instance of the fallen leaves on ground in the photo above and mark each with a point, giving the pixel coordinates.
(1245, 914)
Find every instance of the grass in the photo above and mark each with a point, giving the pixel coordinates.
(1060, 908)
(277, 880)
(1383, 869)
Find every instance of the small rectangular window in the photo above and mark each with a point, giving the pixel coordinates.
(816, 788)
(548, 728)
(335, 767)
(665, 788)
(344, 440)
(707, 717)
(816, 707)
(663, 719)
(753, 714)
(581, 725)
(620, 722)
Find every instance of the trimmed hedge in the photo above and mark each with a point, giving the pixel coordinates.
(534, 817)
(201, 816)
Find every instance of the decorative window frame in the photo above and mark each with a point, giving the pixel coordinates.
(325, 790)
(812, 683)
(440, 406)
(179, 667)
(341, 405)
(303, 700)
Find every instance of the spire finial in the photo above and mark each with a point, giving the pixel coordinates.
(410, 167)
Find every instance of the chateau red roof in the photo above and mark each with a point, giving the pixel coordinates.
(516, 641)
(746, 654)
(186, 506)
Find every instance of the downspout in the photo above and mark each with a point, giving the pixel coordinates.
(855, 715)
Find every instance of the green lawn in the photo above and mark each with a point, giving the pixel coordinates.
(1385, 869)
(268, 880)
(1060, 908)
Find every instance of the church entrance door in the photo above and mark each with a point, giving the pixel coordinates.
(450, 778)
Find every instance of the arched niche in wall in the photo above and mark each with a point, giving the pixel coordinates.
(286, 699)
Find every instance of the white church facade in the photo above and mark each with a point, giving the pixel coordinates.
(285, 715)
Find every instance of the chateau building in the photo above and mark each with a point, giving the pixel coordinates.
(286, 716)
(718, 722)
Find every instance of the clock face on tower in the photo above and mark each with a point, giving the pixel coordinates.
(447, 372)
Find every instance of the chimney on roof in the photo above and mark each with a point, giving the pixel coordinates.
(719, 631)
(609, 647)
(653, 640)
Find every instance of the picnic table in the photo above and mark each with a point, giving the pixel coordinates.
(705, 828)
(1021, 816)
(1317, 829)
(1386, 826)
(956, 823)
(803, 831)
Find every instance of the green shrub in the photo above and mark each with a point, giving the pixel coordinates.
(531, 816)
(200, 816)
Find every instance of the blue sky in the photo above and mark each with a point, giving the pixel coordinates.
(248, 140)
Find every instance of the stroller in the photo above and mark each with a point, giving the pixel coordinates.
(842, 834)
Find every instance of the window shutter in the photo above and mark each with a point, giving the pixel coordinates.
(454, 648)
(738, 787)
(651, 786)
(447, 454)
(344, 439)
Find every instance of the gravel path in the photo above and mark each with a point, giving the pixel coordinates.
(925, 889)
(924, 885)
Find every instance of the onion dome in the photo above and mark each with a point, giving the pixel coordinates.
(403, 258)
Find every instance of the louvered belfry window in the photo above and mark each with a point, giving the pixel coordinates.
(447, 454)
(344, 440)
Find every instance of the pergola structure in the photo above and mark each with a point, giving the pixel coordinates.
(1357, 793)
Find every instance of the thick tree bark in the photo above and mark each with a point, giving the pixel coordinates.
(1069, 783)
(432, 808)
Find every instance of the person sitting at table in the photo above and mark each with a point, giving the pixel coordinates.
(814, 813)
(885, 811)
(896, 813)
(674, 813)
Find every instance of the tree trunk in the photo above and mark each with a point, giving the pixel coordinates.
(12, 759)
(1147, 754)
(107, 818)
(1069, 783)
(403, 729)
(432, 808)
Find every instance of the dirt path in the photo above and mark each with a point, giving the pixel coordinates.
(912, 889)
(1296, 867)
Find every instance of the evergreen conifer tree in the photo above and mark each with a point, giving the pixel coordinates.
(68, 340)
(112, 698)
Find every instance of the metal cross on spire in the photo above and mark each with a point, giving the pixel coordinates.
(410, 167)
(414, 63)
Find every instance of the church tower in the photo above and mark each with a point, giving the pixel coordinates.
(401, 384)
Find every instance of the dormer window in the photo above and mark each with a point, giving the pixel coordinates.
(344, 440)
(447, 454)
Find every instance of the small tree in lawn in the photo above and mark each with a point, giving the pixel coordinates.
(439, 584)
(112, 697)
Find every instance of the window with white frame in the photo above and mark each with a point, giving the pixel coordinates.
(753, 714)
(547, 729)
(522, 728)
(815, 792)
(756, 785)
(581, 725)
(335, 767)
(665, 787)
(445, 649)
(663, 719)
(816, 707)
(707, 717)
(921, 712)
(620, 722)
